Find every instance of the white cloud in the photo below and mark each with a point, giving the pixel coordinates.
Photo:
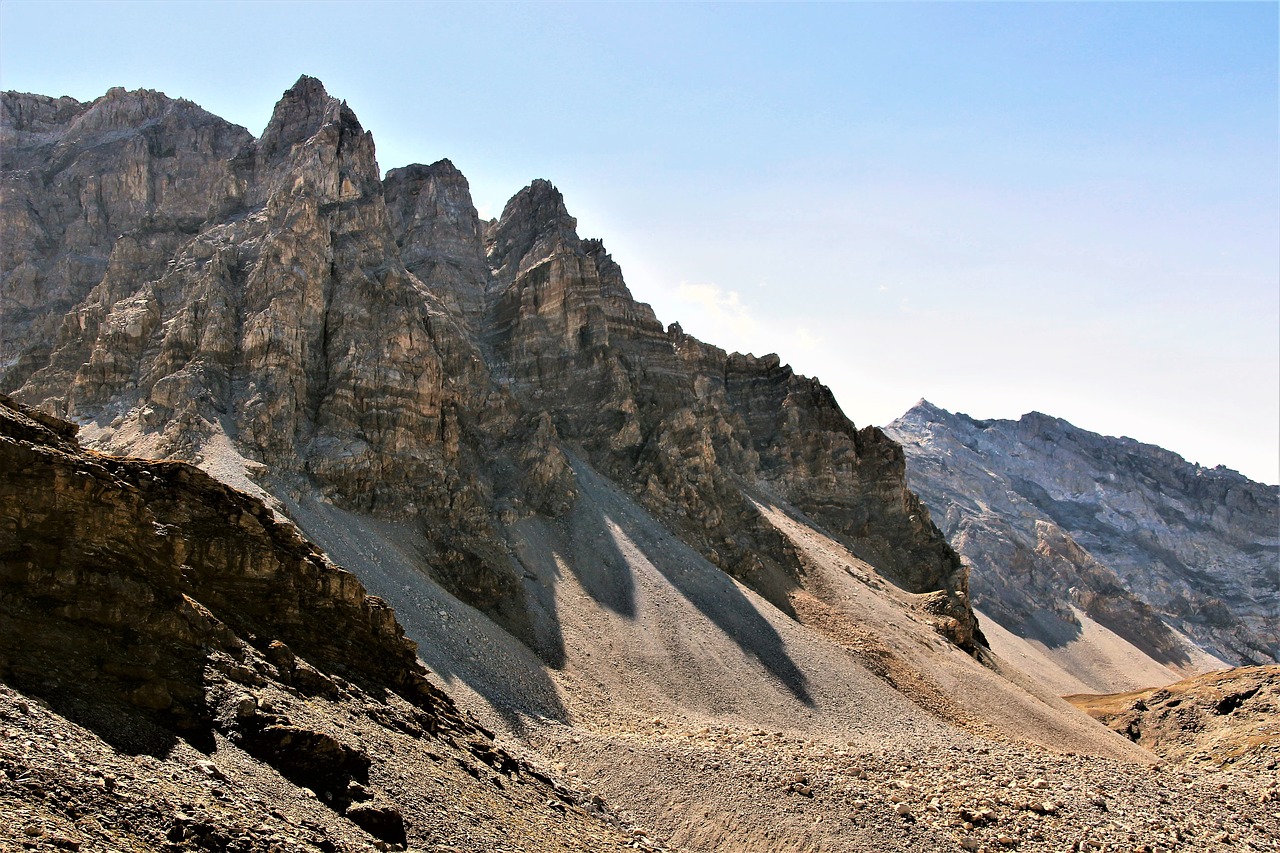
(807, 341)
(722, 308)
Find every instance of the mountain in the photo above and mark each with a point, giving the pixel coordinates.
(372, 341)
(1106, 554)
(159, 619)
(676, 579)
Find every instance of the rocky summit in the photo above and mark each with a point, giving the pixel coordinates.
(628, 589)
(1102, 551)
(272, 305)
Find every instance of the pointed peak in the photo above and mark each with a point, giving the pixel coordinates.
(540, 199)
(924, 413)
(924, 409)
(307, 88)
(539, 210)
(301, 111)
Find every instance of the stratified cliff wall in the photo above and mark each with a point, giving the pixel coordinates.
(271, 307)
(1053, 517)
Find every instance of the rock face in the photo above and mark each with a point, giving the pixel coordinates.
(145, 602)
(1055, 520)
(81, 183)
(1224, 718)
(289, 318)
(696, 432)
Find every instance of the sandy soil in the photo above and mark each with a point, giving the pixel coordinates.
(1097, 659)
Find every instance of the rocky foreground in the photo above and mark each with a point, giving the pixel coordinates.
(233, 690)
(182, 671)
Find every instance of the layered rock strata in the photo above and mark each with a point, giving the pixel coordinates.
(1054, 520)
(145, 603)
(696, 432)
(318, 329)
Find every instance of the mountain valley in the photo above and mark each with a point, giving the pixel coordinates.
(335, 517)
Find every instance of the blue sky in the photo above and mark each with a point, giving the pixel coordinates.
(1073, 208)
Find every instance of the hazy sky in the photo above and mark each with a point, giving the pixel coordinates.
(1060, 207)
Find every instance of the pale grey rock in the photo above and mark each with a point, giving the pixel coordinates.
(1050, 516)
(76, 178)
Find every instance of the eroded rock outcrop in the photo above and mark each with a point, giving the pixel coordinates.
(307, 327)
(1052, 517)
(79, 179)
(146, 603)
(287, 325)
(1222, 718)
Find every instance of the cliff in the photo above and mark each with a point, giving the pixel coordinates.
(284, 317)
(1176, 559)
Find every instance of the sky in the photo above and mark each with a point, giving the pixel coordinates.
(1059, 207)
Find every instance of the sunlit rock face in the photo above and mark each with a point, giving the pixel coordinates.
(275, 311)
(1052, 517)
(82, 184)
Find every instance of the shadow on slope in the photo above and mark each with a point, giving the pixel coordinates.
(458, 643)
(614, 537)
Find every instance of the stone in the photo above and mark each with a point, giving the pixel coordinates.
(1055, 520)
(381, 821)
(317, 330)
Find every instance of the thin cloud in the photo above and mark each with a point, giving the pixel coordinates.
(806, 340)
(721, 307)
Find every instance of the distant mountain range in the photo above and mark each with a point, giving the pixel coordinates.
(1105, 553)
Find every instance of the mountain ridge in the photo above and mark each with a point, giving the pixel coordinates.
(680, 574)
(1128, 522)
(289, 326)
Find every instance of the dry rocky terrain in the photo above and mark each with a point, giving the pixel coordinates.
(628, 590)
(1225, 718)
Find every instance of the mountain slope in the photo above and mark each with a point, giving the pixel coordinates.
(682, 574)
(155, 623)
(1066, 529)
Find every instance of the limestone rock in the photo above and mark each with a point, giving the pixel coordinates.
(78, 176)
(295, 323)
(1055, 520)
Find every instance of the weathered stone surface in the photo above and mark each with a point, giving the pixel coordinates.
(1053, 517)
(122, 577)
(440, 235)
(76, 177)
(696, 432)
(154, 607)
(290, 327)
(1223, 718)
(373, 341)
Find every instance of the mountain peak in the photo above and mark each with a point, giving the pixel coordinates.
(301, 111)
(541, 203)
(924, 412)
(534, 217)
